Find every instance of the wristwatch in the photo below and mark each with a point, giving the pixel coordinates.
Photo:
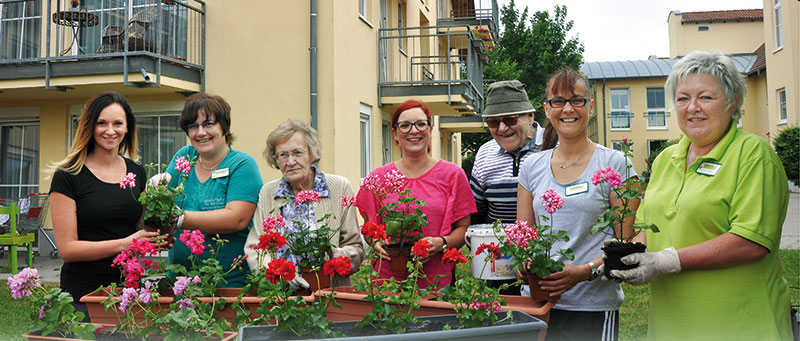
(444, 245)
(594, 273)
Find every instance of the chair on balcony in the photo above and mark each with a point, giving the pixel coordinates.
(138, 38)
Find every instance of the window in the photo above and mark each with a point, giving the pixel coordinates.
(654, 145)
(702, 28)
(620, 109)
(159, 136)
(20, 29)
(19, 159)
(656, 109)
(782, 116)
(616, 145)
(401, 13)
(366, 140)
(386, 132)
(776, 10)
(362, 8)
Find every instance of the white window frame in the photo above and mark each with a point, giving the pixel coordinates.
(656, 110)
(782, 110)
(365, 134)
(776, 11)
(400, 24)
(19, 185)
(616, 145)
(363, 12)
(33, 21)
(623, 111)
(386, 132)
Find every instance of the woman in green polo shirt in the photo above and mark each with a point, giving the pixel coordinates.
(719, 197)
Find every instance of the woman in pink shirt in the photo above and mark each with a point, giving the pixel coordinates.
(442, 184)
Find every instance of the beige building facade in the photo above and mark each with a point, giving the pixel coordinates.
(630, 98)
(342, 66)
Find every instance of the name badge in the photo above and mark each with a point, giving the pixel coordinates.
(219, 173)
(708, 168)
(577, 189)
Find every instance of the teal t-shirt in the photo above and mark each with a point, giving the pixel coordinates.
(738, 187)
(242, 183)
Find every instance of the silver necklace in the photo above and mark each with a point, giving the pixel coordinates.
(562, 166)
(200, 160)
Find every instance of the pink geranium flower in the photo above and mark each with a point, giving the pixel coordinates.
(195, 240)
(273, 223)
(183, 165)
(608, 175)
(552, 202)
(520, 233)
(306, 196)
(128, 181)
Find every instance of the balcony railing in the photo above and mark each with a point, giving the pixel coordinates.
(167, 31)
(472, 12)
(432, 60)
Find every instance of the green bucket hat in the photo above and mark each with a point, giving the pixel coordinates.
(506, 98)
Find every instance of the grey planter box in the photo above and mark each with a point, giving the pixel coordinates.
(522, 326)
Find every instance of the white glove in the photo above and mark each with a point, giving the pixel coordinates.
(602, 270)
(298, 282)
(651, 265)
(159, 179)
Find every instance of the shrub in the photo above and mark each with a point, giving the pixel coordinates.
(652, 158)
(787, 146)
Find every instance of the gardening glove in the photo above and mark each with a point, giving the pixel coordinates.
(159, 179)
(602, 270)
(651, 265)
(298, 283)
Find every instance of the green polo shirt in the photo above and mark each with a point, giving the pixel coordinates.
(743, 191)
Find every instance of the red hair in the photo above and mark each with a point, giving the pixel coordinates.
(411, 104)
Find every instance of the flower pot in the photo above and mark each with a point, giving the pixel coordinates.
(98, 314)
(399, 258)
(311, 278)
(615, 250)
(105, 333)
(355, 307)
(520, 326)
(537, 294)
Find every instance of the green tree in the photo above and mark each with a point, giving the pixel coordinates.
(532, 48)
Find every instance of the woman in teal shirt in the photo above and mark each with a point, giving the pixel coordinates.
(222, 188)
(719, 197)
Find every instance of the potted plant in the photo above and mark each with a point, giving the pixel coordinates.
(160, 209)
(530, 245)
(400, 213)
(615, 217)
(56, 315)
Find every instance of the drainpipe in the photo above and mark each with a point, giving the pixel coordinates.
(605, 133)
(313, 63)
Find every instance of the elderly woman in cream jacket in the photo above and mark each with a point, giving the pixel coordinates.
(294, 148)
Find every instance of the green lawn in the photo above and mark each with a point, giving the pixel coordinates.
(14, 314)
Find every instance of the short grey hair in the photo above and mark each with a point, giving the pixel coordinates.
(719, 66)
(283, 132)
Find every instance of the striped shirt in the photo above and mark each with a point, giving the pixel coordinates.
(494, 179)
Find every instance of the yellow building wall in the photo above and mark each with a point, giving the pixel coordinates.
(783, 64)
(755, 118)
(728, 37)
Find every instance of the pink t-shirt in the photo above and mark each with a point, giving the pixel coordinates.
(446, 190)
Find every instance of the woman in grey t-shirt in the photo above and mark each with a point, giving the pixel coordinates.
(587, 309)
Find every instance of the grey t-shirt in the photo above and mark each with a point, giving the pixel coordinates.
(582, 207)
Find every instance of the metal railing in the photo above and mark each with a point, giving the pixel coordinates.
(167, 30)
(432, 56)
(485, 12)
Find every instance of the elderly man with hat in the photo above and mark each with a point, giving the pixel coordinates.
(516, 136)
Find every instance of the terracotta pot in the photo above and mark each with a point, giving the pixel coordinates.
(98, 314)
(355, 307)
(537, 294)
(614, 253)
(400, 258)
(311, 278)
(228, 336)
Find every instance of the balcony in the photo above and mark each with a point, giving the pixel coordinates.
(81, 47)
(482, 18)
(442, 66)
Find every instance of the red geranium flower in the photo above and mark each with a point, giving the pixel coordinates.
(420, 248)
(338, 265)
(373, 231)
(270, 241)
(492, 249)
(280, 268)
(453, 256)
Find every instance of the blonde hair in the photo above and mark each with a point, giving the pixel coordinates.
(83, 143)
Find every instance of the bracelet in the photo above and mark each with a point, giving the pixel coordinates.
(444, 246)
(592, 271)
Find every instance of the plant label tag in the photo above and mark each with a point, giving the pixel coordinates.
(708, 168)
(577, 189)
(219, 173)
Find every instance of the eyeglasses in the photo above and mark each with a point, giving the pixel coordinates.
(558, 102)
(207, 125)
(509, 121)
(405, 126)
(284, 156)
